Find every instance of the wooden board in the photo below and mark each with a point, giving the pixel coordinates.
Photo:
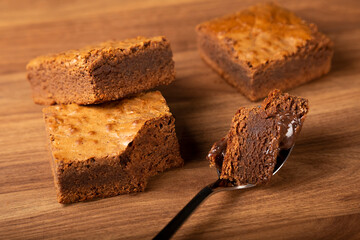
(315, 196)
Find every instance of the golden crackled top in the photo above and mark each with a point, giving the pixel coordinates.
(83, 132)
(80, 56)
(261, 33)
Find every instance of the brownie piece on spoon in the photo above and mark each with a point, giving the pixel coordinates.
(257, 135)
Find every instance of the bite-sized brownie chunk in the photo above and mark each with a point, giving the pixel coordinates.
(112, 148)
(257, 136)
(96, 74)
(264, 47)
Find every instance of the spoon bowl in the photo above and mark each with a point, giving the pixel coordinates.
(217, 186)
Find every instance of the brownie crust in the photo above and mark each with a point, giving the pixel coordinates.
(256, 78)
(106, 72)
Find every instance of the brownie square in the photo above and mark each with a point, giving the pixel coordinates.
(264, 47)
(101, 73)
(112, 148)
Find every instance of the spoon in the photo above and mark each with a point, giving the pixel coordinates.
(217, 186)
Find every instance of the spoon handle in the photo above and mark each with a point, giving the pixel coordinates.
(179, 219)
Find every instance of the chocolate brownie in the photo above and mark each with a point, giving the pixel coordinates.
(112, 148)
(264, 47)
(96, 74)
(257, 136)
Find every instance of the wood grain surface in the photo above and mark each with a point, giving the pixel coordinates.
(316, 195)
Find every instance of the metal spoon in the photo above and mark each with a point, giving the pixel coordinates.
(218, 186)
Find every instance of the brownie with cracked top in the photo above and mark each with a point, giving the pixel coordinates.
(257, 138)
(264, 47)
(112, 148)
(101, 73)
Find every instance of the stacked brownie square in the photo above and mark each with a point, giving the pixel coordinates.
(107, 135)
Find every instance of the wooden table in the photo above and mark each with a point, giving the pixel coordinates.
(315, 196)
